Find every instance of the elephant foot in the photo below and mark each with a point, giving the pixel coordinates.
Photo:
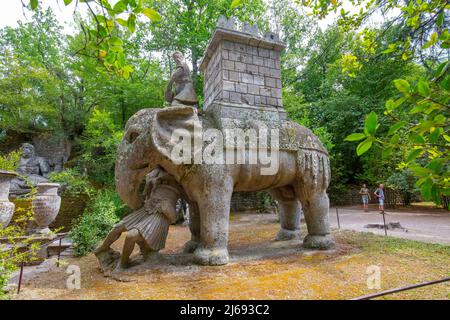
(318, 242)
(190, 246)
(285, 234)
(211, 257)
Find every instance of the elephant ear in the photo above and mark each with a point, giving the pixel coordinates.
(172, 124)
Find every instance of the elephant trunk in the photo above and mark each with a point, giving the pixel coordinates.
(128, 185)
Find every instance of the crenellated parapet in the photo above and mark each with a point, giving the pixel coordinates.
(242, 66)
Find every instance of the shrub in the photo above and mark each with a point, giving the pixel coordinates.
(265, 202)
(404, 182)
(99, 146)
(73, 182)
(10, 161)
(11, 252)
(103, 211)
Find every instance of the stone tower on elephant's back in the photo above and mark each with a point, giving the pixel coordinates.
(242, 73)
(243, 82)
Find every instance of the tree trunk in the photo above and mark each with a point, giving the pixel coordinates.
(194, 68)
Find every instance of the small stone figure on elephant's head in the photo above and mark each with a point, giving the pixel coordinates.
(32, 167)
(180, 89)
(147, 226)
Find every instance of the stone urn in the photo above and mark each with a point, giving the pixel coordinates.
(6, 207)
(46, 206)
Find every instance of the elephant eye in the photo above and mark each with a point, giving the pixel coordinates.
(132, 136)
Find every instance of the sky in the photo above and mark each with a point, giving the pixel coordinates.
(13, 11)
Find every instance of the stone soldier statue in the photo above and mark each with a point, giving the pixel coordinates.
(181, 81)
(147, 226)
(34, 168)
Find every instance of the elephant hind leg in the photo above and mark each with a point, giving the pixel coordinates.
(289, 211)
(315, 208)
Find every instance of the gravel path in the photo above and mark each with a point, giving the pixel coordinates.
(421, 226)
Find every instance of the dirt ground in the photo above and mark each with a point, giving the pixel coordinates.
(260, 268)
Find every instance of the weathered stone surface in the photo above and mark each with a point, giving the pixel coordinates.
(183, 92)
(33, 167)
(243, 57)
(6, 207)
(303, 174)
(147, 226)
(46, 206)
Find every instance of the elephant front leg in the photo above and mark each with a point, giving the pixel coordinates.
(315, 208)
(214, 221)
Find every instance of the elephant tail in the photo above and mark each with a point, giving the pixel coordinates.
(314, 168)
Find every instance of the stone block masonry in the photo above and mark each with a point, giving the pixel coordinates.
(242, 68)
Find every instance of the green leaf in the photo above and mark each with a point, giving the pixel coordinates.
(444, 36)
(121, 59)
(440, 119)
(440, 19)
(34, 4)
(115, 41)
(116, 49)
(413, 154)
(419, 171)
(131, 23)
(152, 14)
(416, 138)
(67, 2)
(423, 88)
(120, 7)
(435, 134)
(432, 41)
(386, 152)
(402, 85)
(395, 127)
(236, 3)
(436, 165)
(418, 109)
(110, 58)
(399, 101)
(391, 48)
(122, 22)
(394, 139)
(364, 146)
(445, 84)
(442, 68)
(355, 137)
(391, 104)
(425, 188)
(371, 123)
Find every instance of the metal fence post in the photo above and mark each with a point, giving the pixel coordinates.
(337, 216)
(59, 251)
(384, 223)
(20, 276)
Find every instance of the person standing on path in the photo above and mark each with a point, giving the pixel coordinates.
(379, 193)
(365, 195)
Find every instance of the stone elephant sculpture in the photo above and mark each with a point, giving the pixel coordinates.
(302, 178)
